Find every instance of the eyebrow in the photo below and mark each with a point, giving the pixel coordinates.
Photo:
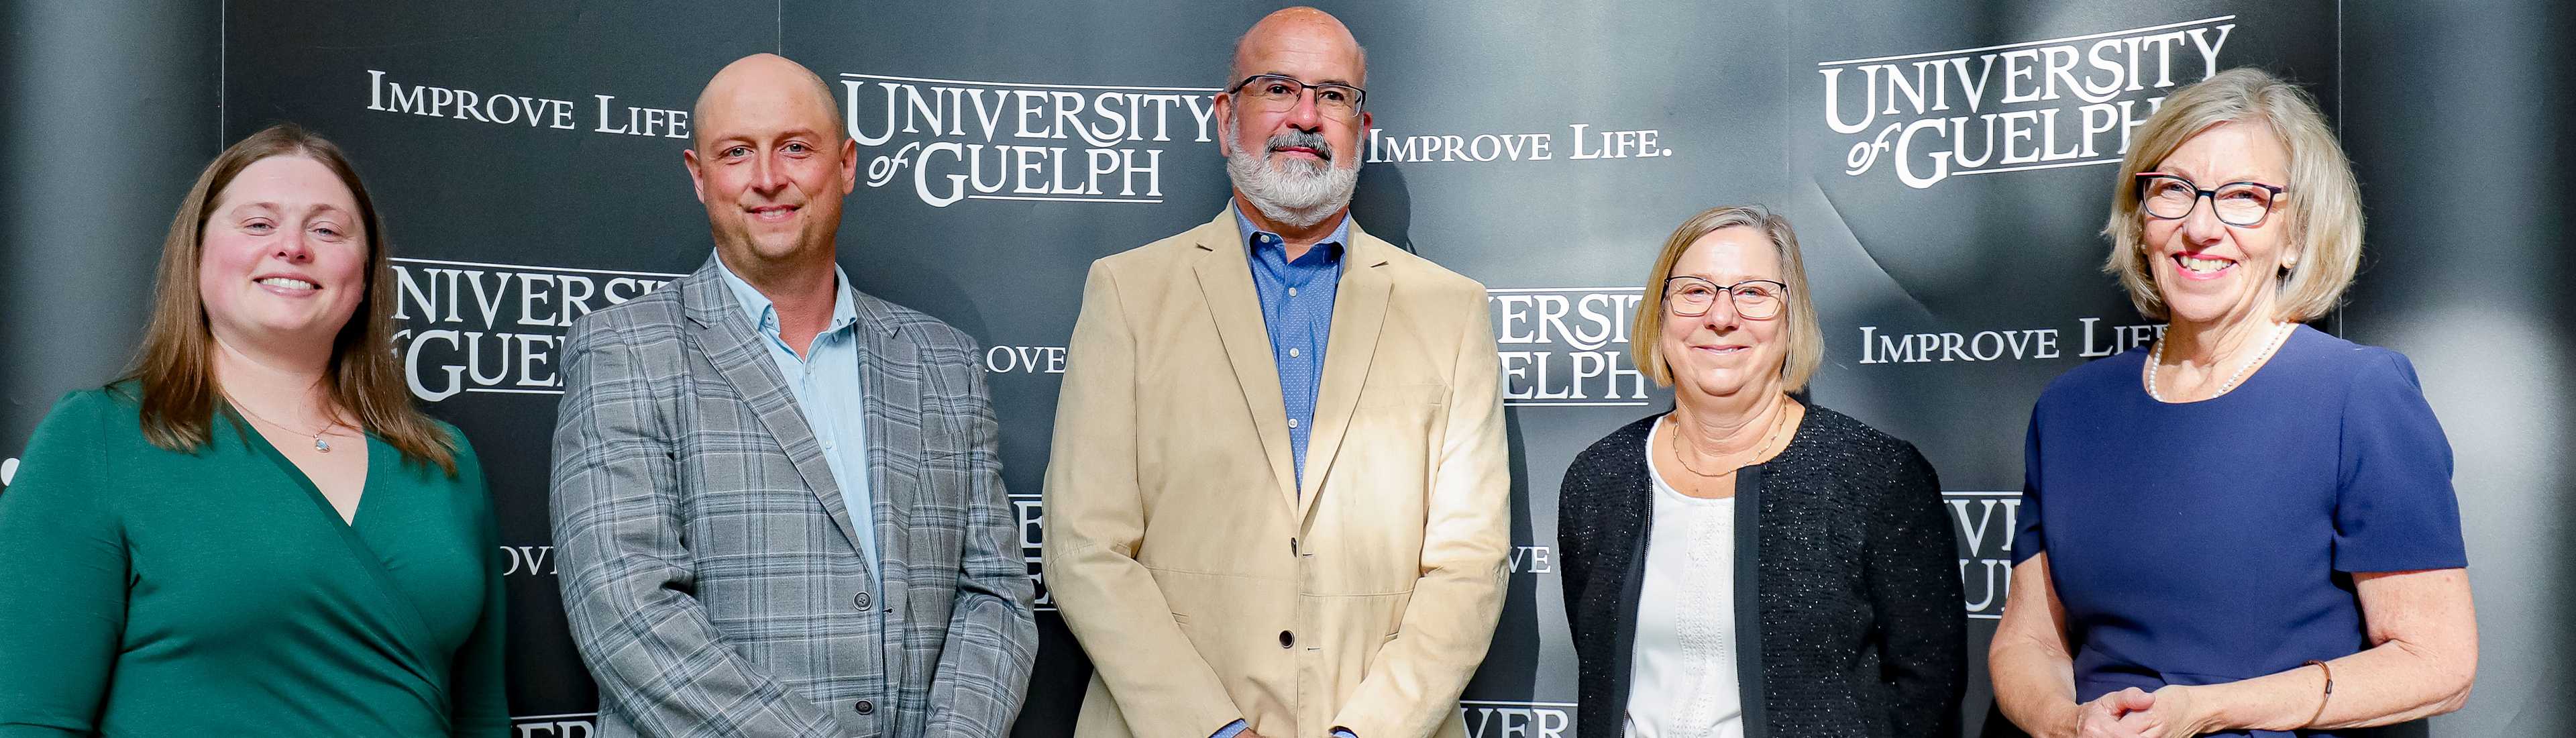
(1311, 83)
(719, 143)
(2185, 173)
(317, 207)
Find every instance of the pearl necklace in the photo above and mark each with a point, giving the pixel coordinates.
(2156, 359)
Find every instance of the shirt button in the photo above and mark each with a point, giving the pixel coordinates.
(1292, 292)
(1287, 639)
(864, 707)
(1292, 353)
(1292, 422)
(861, 600)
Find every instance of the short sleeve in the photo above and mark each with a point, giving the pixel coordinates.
(2394, 507)
(2028, 538)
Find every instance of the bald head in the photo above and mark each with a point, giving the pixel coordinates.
(764, 85)
(771, 163)
(1299, 33)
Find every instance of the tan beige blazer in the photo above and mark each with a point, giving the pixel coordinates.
(1202, 583)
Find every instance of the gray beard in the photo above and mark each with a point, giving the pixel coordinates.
(1296, 194)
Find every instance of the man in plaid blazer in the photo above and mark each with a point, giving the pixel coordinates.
(777, 501)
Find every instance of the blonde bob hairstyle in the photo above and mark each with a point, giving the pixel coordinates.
(2321, 207)
(1806, 341)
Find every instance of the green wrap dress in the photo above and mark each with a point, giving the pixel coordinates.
(145, 592)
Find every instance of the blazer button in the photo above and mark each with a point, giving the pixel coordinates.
(864, 707)
(1287, 639)
(861, 600)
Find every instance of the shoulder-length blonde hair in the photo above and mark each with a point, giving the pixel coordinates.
(174, 369)
(2321, 207)
(1806, 341)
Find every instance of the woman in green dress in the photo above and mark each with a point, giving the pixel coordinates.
(254, 532)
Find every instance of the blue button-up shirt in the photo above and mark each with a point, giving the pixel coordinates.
(1297, 305)
(828, 391)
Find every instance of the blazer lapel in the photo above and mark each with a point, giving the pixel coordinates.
(897, 447)
(734, 347)
(1359, 311)
(1225, 277)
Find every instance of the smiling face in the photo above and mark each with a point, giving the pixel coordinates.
(770, 162)
(1297, 164)
(284, 257)
(2208, 272)
(1721, 352)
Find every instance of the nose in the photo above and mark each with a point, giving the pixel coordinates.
(294, 249)
(2201, 225)
(1721, 315)
(767, 174)
(1305, 115)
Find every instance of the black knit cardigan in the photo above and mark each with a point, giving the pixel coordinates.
(1848, 596)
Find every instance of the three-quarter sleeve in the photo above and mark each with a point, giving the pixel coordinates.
(2394, 508)
(2028, 536)
(63, 573)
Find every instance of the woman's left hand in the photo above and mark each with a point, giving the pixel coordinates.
(2174, 715)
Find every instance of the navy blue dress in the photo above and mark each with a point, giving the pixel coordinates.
(2214, 541)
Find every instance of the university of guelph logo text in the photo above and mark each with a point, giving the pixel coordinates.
(955, 140)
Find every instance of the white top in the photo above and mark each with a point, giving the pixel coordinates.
(1682, 672)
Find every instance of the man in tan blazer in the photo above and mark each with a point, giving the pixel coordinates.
(1278, 499)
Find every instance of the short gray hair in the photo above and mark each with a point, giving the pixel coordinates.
(2323, 204)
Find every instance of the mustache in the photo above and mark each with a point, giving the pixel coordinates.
(1303, 139)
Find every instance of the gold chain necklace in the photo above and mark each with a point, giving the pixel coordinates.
(319, 444)
(1678, 454)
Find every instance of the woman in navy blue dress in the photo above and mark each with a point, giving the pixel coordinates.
(2247, 527)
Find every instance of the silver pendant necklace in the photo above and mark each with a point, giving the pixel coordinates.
(2156, 359)
(319, 443)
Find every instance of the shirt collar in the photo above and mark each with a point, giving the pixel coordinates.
(1332, 245)
(763, 313)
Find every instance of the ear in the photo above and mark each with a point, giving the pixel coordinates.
(697, 180)
(1367, 121)
(849, 164)
(1224, 107)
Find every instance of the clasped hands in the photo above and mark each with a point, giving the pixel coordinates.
(2134, 713)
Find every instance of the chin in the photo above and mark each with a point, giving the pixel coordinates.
(1721, 383)
(2198, 309)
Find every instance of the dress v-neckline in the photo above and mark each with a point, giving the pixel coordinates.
(404, 616)
(366, 484)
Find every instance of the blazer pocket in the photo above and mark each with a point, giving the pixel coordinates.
(1402, 395)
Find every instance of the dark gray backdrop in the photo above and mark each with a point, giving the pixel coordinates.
(503, 225)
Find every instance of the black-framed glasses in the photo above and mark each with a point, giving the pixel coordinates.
(1271, 93)
(2240, 204)
(1755, 299)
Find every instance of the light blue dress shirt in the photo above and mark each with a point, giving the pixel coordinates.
(829, 392)
(1297, 307)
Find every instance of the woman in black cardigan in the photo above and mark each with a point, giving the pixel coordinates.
(1745, 517)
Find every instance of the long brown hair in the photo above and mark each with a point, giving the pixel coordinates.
(174, 369)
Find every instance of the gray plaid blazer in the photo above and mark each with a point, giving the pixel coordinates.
(707, 559)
